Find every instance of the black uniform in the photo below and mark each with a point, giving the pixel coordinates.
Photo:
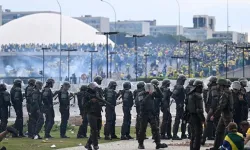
(17, 101)
(226, 108)
(81, 97)
(4, 105)
(127, 99)
(47, 97)
(100, 93)
(137, 106)
(179, 97)
(64, 100)
(239, 104)
(37, 119)
(245, 106)
(196, 118)
(167, 117)
(93, 109)
(147, 115)
(111, 97)
(28, 95)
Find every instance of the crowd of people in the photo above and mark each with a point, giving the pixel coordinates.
(206, 59)
(226, 105)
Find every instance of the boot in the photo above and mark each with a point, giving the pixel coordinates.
(123, 137)
(175, 137)
(164, 137)
(88, 147)
(48, 137)
(96, 147)
(161, 145)
(12, 130)
(169, 137)
(64, 137)
(184, 136)
(114, 137)
(141, 146)
(107, 138)
(129, 137)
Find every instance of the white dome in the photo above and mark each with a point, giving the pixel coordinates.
(44, 28)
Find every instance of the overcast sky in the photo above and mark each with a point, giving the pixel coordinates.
(164, 11)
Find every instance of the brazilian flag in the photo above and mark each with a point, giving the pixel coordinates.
(233, 141)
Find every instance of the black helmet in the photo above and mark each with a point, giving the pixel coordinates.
(198, 83)
(236, 85)
(93, 85)
(166, 82)
(31, 82)
(98, 80)
(83, 88)
(222, 82)
(18, 82)
(229, 83)
(191, 82)
(3, 87)
(39, 84)
(112, 84)
(155, 82)
(181, 79)
(66, 84)
(140, 85)
(127, 85)
(212, 79)
(50, 82)
(243, 82)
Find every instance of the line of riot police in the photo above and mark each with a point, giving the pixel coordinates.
(222, 105)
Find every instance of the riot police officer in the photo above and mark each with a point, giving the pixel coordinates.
(147, 115)
(28, 96)
(165, 108)
(158, 99)
(93, 109)
(110, 96)
(64, 100)
(184, 120)
(179, 97)
(98, 80)
(243, 83)
(81, 97)
(127, 99)
(211, 101)
(47, 97)
(239, 103)
(140, 88)
(225, 107)
(17, 101)
(36, 110)
(4, 106)
(196, 116)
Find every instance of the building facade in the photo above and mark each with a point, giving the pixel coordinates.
(8, 15)
(171, 30)
(99, 23)
(199, 34)
(231, 36)
(204, 21)
(131, 27)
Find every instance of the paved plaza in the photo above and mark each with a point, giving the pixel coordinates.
(149, 145)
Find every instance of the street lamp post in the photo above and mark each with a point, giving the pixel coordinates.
(226, 59)
(135, 36)
(189, 55)
(91, 65)
(245, 49)
(114, 13)
(60, 65)
(146, 67)
(179, 22)
(68, 50)
(44, 48)
(111, 54)
(107, 47)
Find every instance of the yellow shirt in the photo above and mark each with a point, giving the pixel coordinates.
(248, 131)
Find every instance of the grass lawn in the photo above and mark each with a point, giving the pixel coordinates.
(29, 144)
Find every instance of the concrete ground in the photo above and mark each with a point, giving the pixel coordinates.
(149, 145)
